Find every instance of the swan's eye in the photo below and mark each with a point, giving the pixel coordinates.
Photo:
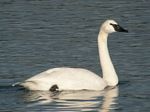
(116, 26)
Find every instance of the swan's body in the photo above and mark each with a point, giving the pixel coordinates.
(65, 79)
(78, 78)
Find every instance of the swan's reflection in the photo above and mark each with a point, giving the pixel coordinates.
(109, 100)
(80, 100)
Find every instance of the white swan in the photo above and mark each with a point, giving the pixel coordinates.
(77, 78)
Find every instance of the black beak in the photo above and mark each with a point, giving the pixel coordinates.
(119, 28)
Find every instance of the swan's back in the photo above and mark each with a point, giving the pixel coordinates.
(65, 79)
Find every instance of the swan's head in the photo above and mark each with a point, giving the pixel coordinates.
(110, 26)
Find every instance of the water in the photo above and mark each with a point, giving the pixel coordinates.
(36, 35)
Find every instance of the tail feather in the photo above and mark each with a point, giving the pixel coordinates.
(19, 86)
(16, 84)
(30, 85)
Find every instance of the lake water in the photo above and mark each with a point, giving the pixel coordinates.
(36, 35)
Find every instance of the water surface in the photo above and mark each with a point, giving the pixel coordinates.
(37, 35)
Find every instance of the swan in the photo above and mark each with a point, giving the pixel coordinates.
(65, 78)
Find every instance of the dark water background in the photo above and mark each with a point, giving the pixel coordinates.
(36, 35)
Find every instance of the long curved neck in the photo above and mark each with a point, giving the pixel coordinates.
(109, 73)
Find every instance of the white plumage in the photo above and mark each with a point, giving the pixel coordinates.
(65, 79)
(77, 78)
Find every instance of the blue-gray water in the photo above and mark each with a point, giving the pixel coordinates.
(36, 35)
